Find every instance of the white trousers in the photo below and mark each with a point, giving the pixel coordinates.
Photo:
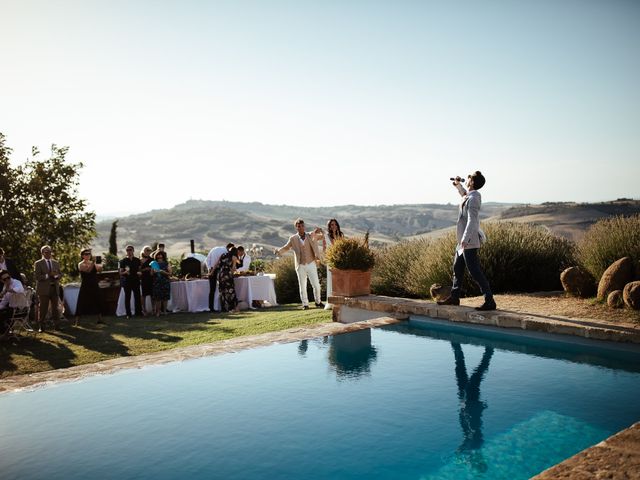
(309, 271)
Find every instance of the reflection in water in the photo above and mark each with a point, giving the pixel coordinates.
(471, 407)
(351, 355)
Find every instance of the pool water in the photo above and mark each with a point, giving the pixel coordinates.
(419, 400)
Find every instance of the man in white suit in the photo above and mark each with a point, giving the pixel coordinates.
(306, 257)
(469, 238)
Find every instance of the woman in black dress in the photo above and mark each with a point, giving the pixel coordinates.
(89, 298)
(227, 265)
(146, 280)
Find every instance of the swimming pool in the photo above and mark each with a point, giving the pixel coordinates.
(419, 400)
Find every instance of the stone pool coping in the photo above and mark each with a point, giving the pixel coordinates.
(402, 308)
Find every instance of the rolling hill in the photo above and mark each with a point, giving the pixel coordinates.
(211, 223)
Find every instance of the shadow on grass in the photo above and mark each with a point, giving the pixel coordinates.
(43, 349)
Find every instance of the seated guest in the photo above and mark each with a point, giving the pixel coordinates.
(212, 261)
(12, 298)
(244, 260)
(8, 265)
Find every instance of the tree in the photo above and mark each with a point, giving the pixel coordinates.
(39, 205)
(113, 246)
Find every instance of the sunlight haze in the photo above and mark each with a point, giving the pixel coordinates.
(326, 103)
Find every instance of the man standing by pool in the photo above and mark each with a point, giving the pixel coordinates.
(470, 237)
(306, 257)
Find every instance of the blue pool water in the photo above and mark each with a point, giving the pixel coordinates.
(411, 401)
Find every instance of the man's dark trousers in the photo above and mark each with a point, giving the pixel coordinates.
(470, 260)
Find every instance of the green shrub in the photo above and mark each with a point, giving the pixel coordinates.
(350, 254)
(286, 282)
(389, 276)
(516, 258)
(609, 240)
(524, 257)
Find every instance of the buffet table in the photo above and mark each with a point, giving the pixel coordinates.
(250, 288)
(193, 295)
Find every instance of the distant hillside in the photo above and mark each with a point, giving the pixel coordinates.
(567, 219)
(211, 223)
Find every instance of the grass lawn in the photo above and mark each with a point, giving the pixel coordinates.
(90, 342)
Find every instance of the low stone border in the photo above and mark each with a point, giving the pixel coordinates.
(403, 307)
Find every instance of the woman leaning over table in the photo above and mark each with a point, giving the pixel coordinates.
(89, 297)
(333, 234)
(226, 285)
(161, 283)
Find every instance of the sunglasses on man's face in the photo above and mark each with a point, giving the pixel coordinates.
(4, 279)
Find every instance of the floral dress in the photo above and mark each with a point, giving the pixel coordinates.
(161, 282)
(228, 299)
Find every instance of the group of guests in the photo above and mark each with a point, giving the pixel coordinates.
(145, 276)
(307, 257)
(149, 274)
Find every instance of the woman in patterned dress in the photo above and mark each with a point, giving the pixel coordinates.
(227, 266)
(161, 283)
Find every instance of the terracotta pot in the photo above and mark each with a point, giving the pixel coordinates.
(350, 283)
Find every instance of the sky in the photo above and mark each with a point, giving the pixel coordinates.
(323, 103)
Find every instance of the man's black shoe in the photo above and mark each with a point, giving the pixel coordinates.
(486, 306)
(320, 305)
(305, 307)
(449, 301)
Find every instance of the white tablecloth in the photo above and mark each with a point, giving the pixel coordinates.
(71, 293)
(248, 289)
(193, 295)
(121, 311)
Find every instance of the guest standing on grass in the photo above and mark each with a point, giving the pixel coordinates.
(146, 279)
(470, 237)
(89, 298)
(47, 273)
(333, 233)
(226, 284)
(306, 256)
(212, 262)
(161, 283)
(130, 280)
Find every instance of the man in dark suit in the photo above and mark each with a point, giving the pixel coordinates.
(8, 265)
(130, 275)
(47, 273)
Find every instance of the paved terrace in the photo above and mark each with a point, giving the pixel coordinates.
(618, 457)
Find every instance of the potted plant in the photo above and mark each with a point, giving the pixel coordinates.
(350, 261)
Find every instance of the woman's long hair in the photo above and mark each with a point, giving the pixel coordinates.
(338, 233)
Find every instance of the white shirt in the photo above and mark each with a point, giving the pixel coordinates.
(246, 261)
(13, 296)
(214, 256)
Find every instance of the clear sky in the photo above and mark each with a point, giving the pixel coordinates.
(320, 103)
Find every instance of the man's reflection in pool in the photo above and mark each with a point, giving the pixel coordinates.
(471, 407)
